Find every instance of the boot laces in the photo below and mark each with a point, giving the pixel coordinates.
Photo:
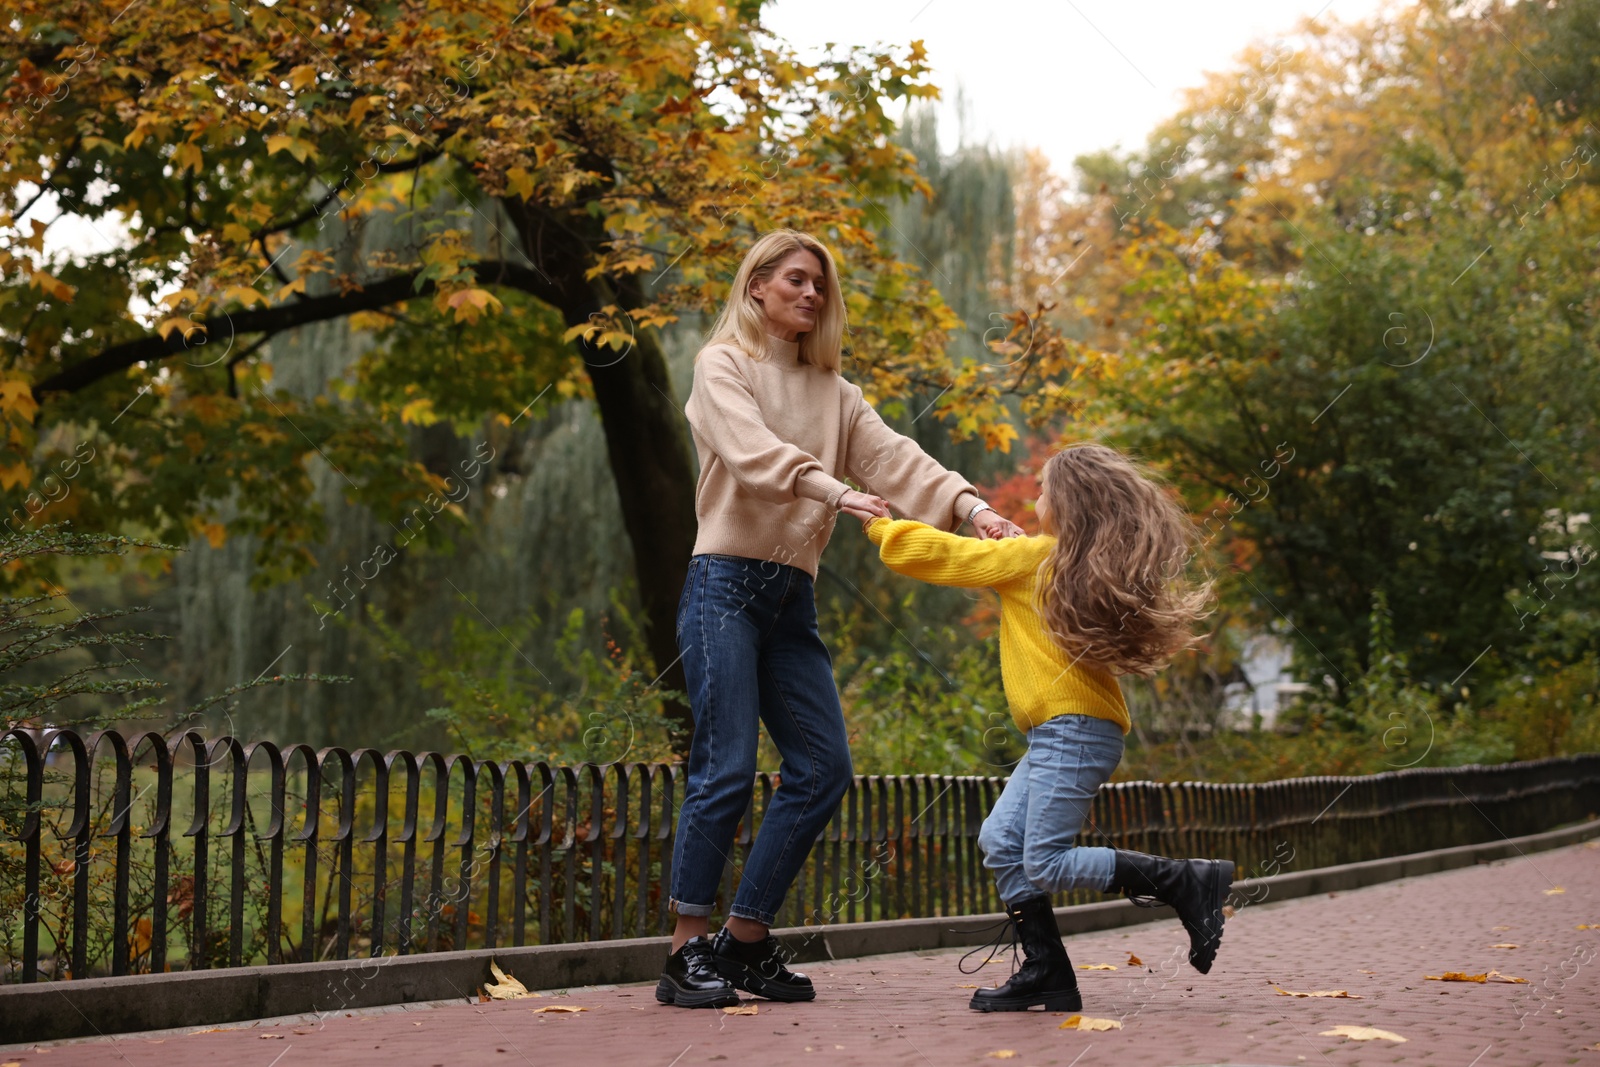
(1005, 926)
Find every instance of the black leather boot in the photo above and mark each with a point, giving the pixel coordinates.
(1046, 976)
(690, 979)
(1195, 889)
(757, 967)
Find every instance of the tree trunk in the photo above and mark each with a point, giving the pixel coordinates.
(647, 443)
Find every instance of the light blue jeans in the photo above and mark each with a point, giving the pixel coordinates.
(1028, 839)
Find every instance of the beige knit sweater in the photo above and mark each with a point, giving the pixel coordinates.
(775, 436)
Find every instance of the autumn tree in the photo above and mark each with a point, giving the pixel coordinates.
(622, 155)
(1351, 290)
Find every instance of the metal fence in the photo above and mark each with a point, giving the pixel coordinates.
(141, 854)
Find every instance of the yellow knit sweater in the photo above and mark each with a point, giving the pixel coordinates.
(1040, 679)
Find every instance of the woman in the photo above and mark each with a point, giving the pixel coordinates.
(776, 427)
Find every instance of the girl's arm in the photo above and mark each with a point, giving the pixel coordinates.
(919, 551)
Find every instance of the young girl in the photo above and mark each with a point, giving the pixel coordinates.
(1099, 593)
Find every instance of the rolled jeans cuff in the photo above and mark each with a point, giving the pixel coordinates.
(693, 911)
(765, 918)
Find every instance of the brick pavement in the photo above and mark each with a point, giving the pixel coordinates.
(910, 1009)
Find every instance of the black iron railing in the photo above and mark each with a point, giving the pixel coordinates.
(141, 854)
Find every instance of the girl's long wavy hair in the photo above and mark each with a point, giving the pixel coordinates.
(1114, 591)
(743, 322)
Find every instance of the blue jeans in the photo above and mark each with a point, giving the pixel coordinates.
(747, 629)
(1027, 840)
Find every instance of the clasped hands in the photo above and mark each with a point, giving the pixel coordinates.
(990, 525)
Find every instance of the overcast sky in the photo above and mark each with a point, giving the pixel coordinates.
(1065, 76)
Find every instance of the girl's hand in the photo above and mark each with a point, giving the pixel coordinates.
(864, 506)
(992, 526)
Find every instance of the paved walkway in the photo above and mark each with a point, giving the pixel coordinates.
(1520, 917)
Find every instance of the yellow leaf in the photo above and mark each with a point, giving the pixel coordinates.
(469, 304)
(1097, 966)
(302, 76)
(1505, 944)
(1589, 926)
(1002, 1054)
(362, 105)
(505, 987)
(296, 286)
(1457, 976)
(53, 286)
(564, 1008)
(244, 294)
(419, 412)
(1085, 1022)
(520, 182)
(16, 398)
(1318, 993)
(295, 146)
(1362, 1033)
(14, 475)
(1554, 892)
(172, 300)
(187, 157)
(742, 1009)
(215, 533)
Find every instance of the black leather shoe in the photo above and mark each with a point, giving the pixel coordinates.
(1046, 978)
(1195, 889)
(690, 980)
(757, 967)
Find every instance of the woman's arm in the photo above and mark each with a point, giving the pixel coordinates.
(917, 550)
(895, 467)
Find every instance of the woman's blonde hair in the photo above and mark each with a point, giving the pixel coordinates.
(743, 322)
(1113, 591)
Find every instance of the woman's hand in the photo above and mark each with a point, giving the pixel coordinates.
(864, 506)
(992, 526)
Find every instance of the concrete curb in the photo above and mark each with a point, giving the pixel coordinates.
(50, 1011)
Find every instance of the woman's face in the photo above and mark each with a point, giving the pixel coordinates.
(793, 296)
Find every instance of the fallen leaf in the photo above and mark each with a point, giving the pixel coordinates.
(1002, 1054)
(560, 1008)
(968, 987)
(1589, 926)
(1555, 892)
(742, 1009)
(1318, 993)
(1502, 927)
(209, 1030)
(12, 1063)
(1097, 966)
(1134, 961)
(1487, 976)
(505, 987)
(1505, 944)
(1587, 1048)
(1085, 1022)
(1368, 972)
(1362, 1033)
(270, 1037)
